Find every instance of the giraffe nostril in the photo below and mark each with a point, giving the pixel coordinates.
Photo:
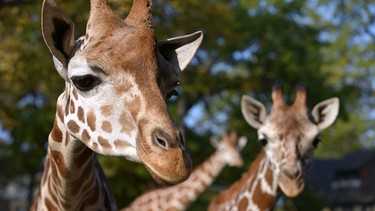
(161, 143)
(161, 139)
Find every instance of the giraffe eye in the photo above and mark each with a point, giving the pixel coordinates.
(85, 82)
(316, 141)
(172, 93)
(262, 140)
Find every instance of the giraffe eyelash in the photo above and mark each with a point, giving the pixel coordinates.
(86, 82)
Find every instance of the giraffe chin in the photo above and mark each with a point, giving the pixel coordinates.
(291, 187)
(162, 180)
(166, 166)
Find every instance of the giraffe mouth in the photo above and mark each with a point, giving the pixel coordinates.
(167, 166)
(166, 180)
(291, 186)
(161, 181)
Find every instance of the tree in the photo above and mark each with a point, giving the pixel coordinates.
(247, 47)
(348, 27)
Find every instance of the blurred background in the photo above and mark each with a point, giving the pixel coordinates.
(248, 45)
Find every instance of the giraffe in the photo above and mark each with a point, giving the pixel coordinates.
(179, 197)
(117, 79)
(288, 138)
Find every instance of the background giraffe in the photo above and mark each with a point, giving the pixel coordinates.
(117, 79)
(182, 195)
(288, 137)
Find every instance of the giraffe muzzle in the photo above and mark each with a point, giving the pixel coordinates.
(165, 156)
(291, 182)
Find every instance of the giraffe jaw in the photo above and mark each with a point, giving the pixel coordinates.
(291, 186)
(168, 179)
(131, 155)
(163, 181)
(166, 166)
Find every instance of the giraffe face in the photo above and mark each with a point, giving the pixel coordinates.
(230, 148)
(117, 81)
(288, 136)
(289, 141)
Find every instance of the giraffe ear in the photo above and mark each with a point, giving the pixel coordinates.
(242, 141)
(253, 111)
(58, 33)
(325, 113)
(178, 51)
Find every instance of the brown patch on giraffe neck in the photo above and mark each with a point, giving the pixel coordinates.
(67, 104)
(243, 204)
(85, 136)
(81, 114)
(120, 145)
(106, 110)
(95, 146)
(91, 120)
(264, 200)
(73, 127)
(56, 134)
(106, 126)
(104, 143)
(233, 192)
(67, 138)
(58, 159)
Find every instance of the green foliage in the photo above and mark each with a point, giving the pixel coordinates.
(248, 45)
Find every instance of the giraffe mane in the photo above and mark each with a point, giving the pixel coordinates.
(236, 187)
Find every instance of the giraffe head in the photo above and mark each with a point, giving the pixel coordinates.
(288, 135)
(118, 78)
(230, 148)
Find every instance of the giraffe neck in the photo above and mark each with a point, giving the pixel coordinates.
(72, 177)
(257, 189)
(181, 196)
